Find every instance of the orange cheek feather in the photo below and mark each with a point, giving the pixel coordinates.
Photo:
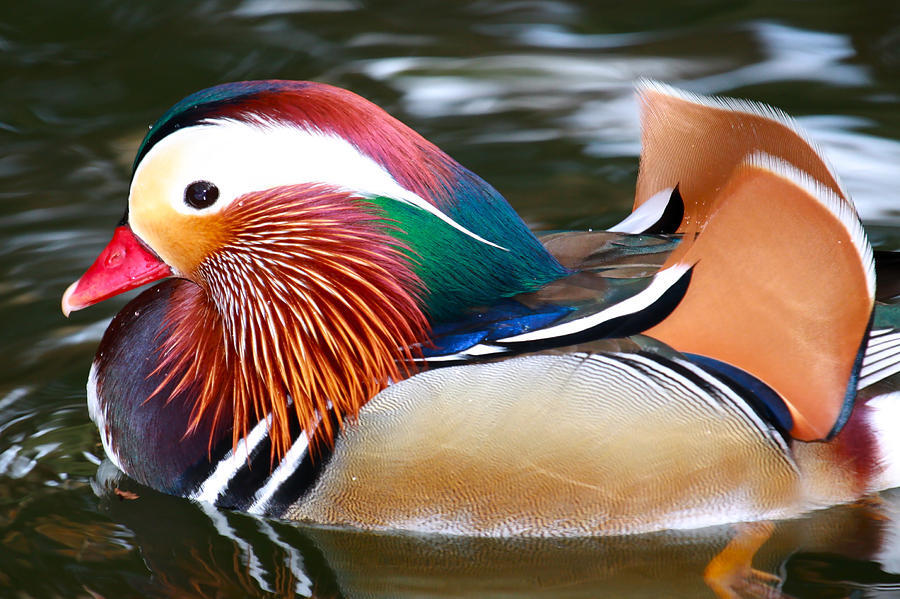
(182, 240)
(308, 299)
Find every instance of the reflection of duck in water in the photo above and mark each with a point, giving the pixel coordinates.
(195, 550)
(581, 384)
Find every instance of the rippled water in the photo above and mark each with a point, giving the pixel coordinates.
(534, 96)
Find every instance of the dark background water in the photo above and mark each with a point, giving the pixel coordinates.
(535, 96)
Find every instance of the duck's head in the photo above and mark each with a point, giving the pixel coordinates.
(321, 237)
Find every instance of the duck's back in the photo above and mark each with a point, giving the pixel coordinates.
(568, 444)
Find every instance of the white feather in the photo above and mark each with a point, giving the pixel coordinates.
(243, 157)
(661, 283)
(646, 214)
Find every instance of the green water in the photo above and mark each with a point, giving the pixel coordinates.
(532, 95)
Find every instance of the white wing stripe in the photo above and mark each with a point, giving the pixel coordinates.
(646, 214)
(879, 375)
(886, 341)
(233, 461)
(288, 465)
(662, 282)
(879, 332)
(873, 361)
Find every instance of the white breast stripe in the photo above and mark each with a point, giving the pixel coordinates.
(289, 463)
(662, 282)
(233, 461)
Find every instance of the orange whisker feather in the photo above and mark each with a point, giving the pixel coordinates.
(312, 299)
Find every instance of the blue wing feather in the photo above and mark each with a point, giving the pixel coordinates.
(609, 269)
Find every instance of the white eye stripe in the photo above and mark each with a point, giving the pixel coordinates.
(240, 158)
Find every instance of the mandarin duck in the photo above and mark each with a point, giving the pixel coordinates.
(353, 329)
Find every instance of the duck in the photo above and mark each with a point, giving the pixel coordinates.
(349, 328)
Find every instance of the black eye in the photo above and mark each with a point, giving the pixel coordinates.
(201, 194)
